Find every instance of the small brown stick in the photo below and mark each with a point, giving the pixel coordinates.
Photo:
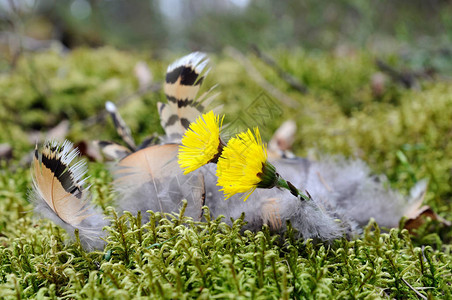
(259, 79)
(292, 81)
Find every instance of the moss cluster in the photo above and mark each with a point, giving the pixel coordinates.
(173, 257)
(405, 134)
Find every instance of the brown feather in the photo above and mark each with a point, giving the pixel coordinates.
(157, 161)
(271, 214)
(151, 179)
(55, 183)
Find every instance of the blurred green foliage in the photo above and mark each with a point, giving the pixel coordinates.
(212, 25)
(49, 87)
(403, 133)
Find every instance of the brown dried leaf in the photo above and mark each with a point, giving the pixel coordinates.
(417, 217)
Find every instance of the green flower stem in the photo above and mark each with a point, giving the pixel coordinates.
(282, 183)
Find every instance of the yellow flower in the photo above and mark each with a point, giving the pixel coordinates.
(243, 165)
(201, 142)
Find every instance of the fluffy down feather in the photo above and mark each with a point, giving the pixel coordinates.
(344, 197)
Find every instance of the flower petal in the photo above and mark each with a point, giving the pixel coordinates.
(240, 167)
(200, 142)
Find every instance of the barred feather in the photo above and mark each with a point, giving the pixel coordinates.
(121, 126)
(182, 84)
(59, 192)
(112, 150)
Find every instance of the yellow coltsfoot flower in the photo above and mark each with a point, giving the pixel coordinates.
(243, 166)
(201, 142)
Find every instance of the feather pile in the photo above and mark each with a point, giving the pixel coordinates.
(345, 196)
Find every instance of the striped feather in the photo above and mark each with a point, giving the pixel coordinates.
(120, 125)
(59, 185)
(112, 150)
(59, 192)
(182, 84)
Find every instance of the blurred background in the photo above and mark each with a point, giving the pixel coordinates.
(211, 25)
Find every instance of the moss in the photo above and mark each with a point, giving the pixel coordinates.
(214, 260)
(48, 87)
(403, 133)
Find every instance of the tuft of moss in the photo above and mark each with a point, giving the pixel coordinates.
(174, 257)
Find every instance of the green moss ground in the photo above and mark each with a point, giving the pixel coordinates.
(405, 134)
